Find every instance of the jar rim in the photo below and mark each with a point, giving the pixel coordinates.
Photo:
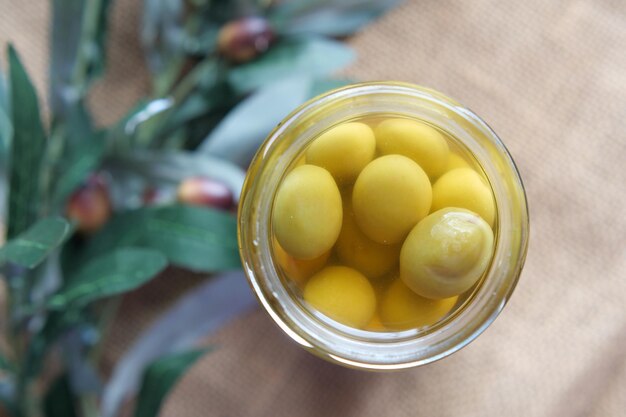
(394, 350)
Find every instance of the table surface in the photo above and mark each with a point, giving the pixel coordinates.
(550, 78)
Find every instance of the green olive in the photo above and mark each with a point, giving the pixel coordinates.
(358, 251)
(298, 270)
(416, 140)
(307, 212)
(343, 294)
(402, 309)
(390, 196)
(446, 253)
(456, 161)
(344, 150)
(465, 188)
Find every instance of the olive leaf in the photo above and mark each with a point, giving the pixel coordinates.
(328, 18)
(113, 273)
(27, 149)
(241, 132)
(82, 373)
(56, 324)
(217, 98)
(161, 32)
(92, 47)
(31, 247)
(196, 238)
(7, 397)
(79, 31)
(6, 364)
(325, 85)
(202, 92)
(4, 94)
(59, 400)
(302, 56)
(67, 19)
(197, 314)
(160, 378)
(142, 113)
(6, 132)
(126, 133)
(81, 153)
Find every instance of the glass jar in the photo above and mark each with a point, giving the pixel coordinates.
(389, 349)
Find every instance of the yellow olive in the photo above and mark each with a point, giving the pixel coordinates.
(375, 325)
(298, 270)
(356, 250)
(416, 140)
(390, 196)
(402, 309)
(456, 161)
(343, 294)
(307, 212)
(464, 188)
(344, 150)
(446, 253)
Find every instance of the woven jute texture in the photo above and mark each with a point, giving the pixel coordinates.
(550, 78)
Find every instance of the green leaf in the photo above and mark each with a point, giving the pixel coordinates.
(79, 32)
(31, 247)
(202, 92)
(312, 56)
(112, 273)
(94, 37)
(196, 130)
(7, 398)
(241, 132)
(77, 58)
(122, 135)
(81, 369)
(195, 315)
(160, 378)
(5, 364)
(323, 86)
(76, 171)
(142, 113)
(92, 48)
(328, 18)
(28, 144)
(161, 31)
(171, 37)
(6, 132)
(192, 237)
(57, 323)
(67, 19)
(215, 99)
(83, 148)
(222, 11)
(59, 401)
(207, 94)
(4, 94)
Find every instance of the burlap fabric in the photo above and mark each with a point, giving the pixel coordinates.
(550, 78)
